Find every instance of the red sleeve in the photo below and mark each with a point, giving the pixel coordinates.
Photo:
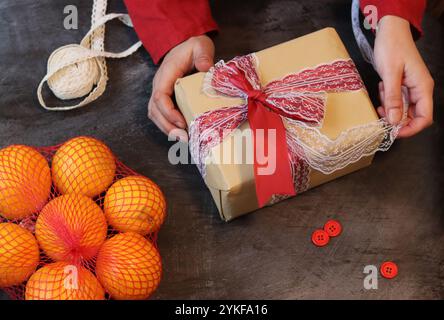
(163, 24)
(411, 10)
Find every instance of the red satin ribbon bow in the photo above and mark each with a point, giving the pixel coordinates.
(299, 96)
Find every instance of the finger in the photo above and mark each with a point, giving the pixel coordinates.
(392, 95)
(163, 88)
(203, 55)
(166, 107)
(414, 126)
(421, 118)
(381, 112)
(381, 91)
(169, 129)
(166, 77)
(159, 120)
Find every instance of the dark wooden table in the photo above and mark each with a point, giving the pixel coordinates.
(392, 210)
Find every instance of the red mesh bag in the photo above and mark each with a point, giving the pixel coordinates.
(77, 224)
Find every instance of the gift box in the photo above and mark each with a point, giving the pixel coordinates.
(309, 87)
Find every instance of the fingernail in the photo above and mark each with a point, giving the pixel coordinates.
(394, 116)
(180, 124)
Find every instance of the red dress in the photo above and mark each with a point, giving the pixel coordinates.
(163, 24)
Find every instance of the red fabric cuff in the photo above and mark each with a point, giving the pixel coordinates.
(161, 25)
(411, 10)
(158, 51)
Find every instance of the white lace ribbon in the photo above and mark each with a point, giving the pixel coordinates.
(79, 70)
(305, 140)
(327, 155)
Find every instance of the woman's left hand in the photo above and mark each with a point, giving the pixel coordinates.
(399, 63)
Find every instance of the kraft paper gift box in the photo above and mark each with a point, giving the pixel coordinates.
(233, 185)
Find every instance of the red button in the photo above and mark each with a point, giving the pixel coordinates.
(320, 238)
(333, 228)
(389, 270)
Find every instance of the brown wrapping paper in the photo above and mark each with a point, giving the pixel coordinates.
(232, 185)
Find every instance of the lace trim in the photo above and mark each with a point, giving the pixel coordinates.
(300, 98)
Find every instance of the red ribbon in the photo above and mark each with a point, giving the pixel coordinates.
(260, 118)
(299, 96)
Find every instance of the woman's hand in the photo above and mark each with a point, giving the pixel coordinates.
(195, 53)
(399, 63)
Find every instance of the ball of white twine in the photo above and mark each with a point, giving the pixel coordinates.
(79, 70)
(76, 80)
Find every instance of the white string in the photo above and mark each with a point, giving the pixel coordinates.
(79, 70)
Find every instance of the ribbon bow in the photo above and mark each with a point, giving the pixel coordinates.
(299, 96)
